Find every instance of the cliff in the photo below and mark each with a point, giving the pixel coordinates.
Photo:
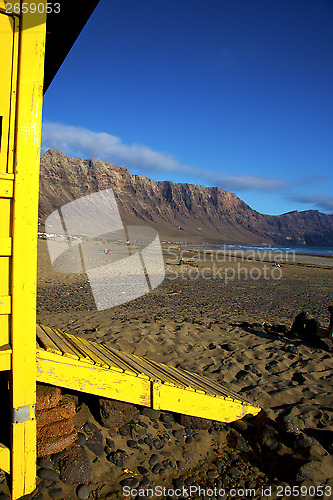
(179, 211)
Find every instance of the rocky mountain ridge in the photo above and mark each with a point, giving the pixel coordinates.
(179, 211)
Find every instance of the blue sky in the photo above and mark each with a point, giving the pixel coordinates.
(230, 93)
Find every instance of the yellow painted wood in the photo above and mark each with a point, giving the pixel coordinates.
(13, 99)
(5, 214)
(84, 356)
(219, 408)
(5, 358)
(118, 361)
(4, 329)
(6, 44)
(6, 188)
(131, 365)
(98, 352)
(92, 379)
(46, 342)
(5, 304)
(5, 246)
(25, 164)
(61, 343)
(4, 273)
(169, 388)
(84, 344)
(154, 370)
(6, 176)
(4, 458)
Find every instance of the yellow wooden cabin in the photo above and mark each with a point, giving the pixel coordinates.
(28, 34)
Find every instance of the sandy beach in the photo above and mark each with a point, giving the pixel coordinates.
(225, 317)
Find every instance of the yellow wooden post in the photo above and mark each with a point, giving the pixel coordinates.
(23, 34)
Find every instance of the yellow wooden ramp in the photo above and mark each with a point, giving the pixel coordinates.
(75, 363)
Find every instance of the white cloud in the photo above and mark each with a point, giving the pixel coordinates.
(324, 203)
(251, 183)
(79, 141)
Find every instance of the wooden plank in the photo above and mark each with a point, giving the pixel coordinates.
(220, 389)
(109, 360)
(6, 188)
(176, 375)
(118, 361)
(4, 458)
(130, 363)
(222, 409)
(4, 276)
(4, 329)
(5, 304)
(83, 356)
(7, 177)
(5, 358)
(6, 44)
(60, 341)
(94, 380)
(154, 369)
(27, 128)
(93, 353)
(46, 341)
(5, 247)
(5, 217)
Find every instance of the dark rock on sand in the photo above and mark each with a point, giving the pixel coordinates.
(76, 467)
(195, 422)
(151, 413)
(94, 439)
(167, 418)
(237, 441)
(48, 475)
(268, 436)
(45, 463)
(114, 414)
(299, 322)
(131, 443)
(81, 439)
(55, 457)
(142, 470)
(125, 430)
(110, 443)
(55, 492)
(156, 468)
(118, 458)
(82, 492)
(153, 459)
(149, 441)
(132, 482)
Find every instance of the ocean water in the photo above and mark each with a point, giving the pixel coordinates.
(328, 251)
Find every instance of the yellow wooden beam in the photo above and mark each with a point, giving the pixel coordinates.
(28, 102)
(80, 376)
(5, 246)
(221, 408)
(5, 358)
(4, 458)
(5, 304)
(101, 370)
